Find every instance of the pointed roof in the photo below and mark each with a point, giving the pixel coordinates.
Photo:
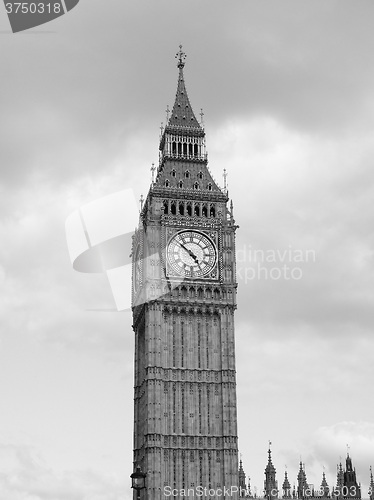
(301, 474)
(348, 463)
(270, 467)
(286, 484)
(371, 486)
(241, 476)
(241, 470)
(339, 475)
(324, 482)
(182, 114)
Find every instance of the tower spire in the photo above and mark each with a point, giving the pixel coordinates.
(270, 483)
(325, 490)
(286, 486)
(182, 114)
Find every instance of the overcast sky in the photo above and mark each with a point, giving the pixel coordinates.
(287, 89)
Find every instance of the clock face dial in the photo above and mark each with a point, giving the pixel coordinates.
(191, 254)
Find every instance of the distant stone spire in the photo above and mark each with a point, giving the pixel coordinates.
(350, 481)
(302, 483)
(325, 490)
(339, 481)
(249, 488)
(371, 485)
(242, 485)
(270, 483)
(286, 486)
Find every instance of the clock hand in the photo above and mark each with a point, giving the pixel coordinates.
(190, 253)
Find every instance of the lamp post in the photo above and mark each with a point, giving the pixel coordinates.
(138, 481)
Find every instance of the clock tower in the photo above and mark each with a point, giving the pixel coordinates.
(184, 298)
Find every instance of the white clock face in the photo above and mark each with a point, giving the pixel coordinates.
(191, 254)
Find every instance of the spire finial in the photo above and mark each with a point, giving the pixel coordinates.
(347, 450)
(225, 189)
(167, 114)
(201, 117)
(141, 202)
(181, 56)
(153, 168)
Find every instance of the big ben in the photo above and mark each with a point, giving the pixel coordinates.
(184, 298)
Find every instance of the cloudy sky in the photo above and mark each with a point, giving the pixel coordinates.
(287, 89)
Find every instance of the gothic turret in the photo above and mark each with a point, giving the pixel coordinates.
(270, 483)
(350, 485)
(325, 490)
(302, 483)
(242, 485)
(286, 487)
(337, 490)
(371, 485)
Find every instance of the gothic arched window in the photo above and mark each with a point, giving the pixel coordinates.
(174, 148)
(212, 211)
(197, 210)
(187, 174)
(181, 208)
(204, 211)
(209, 186)
(173, 208)
(189, 209)
(173, 173)
(167, 183)
(180, 184)
(196, 185)
(190, 149)
(200, 175)
(185, 148)
(166, 207)
(195, 150)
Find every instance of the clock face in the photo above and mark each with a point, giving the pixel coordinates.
(191, 254)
